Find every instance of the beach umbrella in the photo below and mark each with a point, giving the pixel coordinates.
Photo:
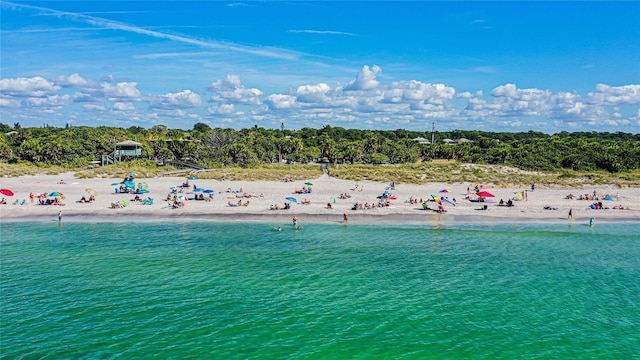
(484, 194)
(308, 183)
(198, 189)
(129, 184)
(292, 199)
(91, 192)
(116, 184)
(55, 194)
(133, 175)
(445, 191)
(6, 192)
(209, 191)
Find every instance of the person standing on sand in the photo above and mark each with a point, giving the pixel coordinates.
(570, 213)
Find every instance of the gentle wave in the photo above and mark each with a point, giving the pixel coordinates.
(220, 290)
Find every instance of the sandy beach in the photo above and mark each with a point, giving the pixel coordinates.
(541, 205)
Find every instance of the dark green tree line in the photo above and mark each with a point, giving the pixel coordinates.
(77, 146)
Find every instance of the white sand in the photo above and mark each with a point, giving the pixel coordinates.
(325, 190)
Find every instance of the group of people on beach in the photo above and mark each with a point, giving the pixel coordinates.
(91, 199)
(286, 206)
(594, 197)
(304, 190)
(239, 203)
(371, 205)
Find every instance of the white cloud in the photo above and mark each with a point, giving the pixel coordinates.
(366, 79)
(121, 106)
(428, 93)
(9, 103)
(54, 100)
(223, 109)
(365, 102)
(280, 101)
(123, 90)
(231, 90)
(313, 93)
(177, 100)
(74, 80)
(469, 95)
(94, 107)
(322, 32)
(616, 95)
(27, 87)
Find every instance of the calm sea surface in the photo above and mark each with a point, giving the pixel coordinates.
(238, 291)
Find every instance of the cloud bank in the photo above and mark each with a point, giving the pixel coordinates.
(364, 102)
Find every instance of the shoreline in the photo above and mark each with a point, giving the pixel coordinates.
(418, 218)
(544, 205)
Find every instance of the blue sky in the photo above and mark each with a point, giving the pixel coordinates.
(479, 65)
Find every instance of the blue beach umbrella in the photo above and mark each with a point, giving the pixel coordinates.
(292, 199)
(209, 191)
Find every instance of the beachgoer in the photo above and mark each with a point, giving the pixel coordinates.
(591, 222)
(345, 218)
(59, 216)
(295, 220)
(570, 213)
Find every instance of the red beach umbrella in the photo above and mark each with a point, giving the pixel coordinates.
(6, 192)
(485, 194)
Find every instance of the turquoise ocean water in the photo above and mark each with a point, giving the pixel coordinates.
(238, 291)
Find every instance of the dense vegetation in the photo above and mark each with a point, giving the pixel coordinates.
(75, 147)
